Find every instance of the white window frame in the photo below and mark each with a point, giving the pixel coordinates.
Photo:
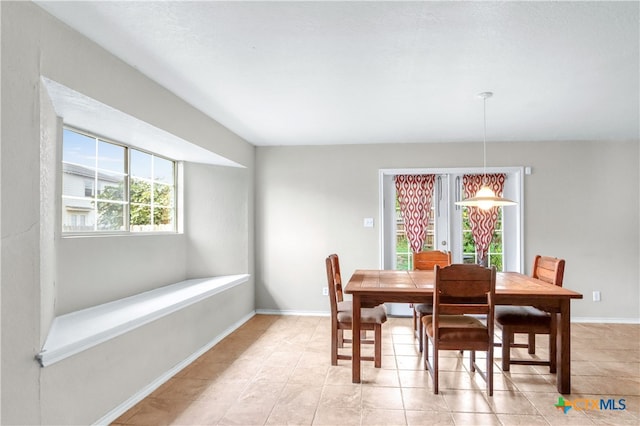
(127, 178)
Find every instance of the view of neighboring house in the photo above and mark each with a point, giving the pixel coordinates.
(79, 203)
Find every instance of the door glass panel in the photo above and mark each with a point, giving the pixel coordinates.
(404, 255)
(469, 246)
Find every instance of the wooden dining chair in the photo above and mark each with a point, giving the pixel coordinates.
(461, 292)
(426, 260)
(341, 317)
(531, 320)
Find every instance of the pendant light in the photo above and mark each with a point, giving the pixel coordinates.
(485, 198)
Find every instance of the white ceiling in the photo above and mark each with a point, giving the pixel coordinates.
(300, 73)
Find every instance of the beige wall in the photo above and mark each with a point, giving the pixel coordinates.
(580, 203)
(43, 275)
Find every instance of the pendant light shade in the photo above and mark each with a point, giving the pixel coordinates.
(485, 198)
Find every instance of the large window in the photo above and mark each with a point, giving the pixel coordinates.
(109, 187)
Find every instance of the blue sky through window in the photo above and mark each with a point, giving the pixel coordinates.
(79, 149)
(111, 157)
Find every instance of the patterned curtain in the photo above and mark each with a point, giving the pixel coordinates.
(415, 193)
(483, 222)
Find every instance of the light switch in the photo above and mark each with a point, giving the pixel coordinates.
(368, 222)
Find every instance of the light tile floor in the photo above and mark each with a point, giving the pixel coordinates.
(275, 370)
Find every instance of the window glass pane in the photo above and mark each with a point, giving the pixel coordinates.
(110, 216)
(77, 215)
(163, 170)
(89, 188)
(469, 247)
(496, 260)
(77, 181)
(466, 225)
(140, 215)
(111, 186)
(163, 195)
(140, 191)
(140, 164)
(78, 149)
(163, 219)
(402, 261)
(496, 243)
(111, 157)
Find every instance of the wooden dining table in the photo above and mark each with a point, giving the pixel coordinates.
(369, 288)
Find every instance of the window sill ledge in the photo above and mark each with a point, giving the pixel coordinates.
(78, 331)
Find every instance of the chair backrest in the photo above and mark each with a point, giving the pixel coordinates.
(426, 260)
(464, 289)
(334, 282)
(548, 269)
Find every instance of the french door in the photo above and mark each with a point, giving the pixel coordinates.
(448, 225)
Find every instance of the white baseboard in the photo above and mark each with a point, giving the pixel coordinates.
(147, 390)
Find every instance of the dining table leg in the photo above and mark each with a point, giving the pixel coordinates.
(563, 348)
(355, 339)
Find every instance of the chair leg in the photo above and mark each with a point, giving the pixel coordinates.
(340, 338)
(472, 361)
(377, 343)
(432, 368)
(532, 343)
(436, 368)
(507, 338)
(335, 335)
(415, 324)
(420, 331)
(553, 342)
(490, 371)
(425, 354)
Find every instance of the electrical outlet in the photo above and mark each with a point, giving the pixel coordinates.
(325, 291)
(596, 296)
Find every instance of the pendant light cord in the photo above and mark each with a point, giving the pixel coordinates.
(484, 96)
(484, 141)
